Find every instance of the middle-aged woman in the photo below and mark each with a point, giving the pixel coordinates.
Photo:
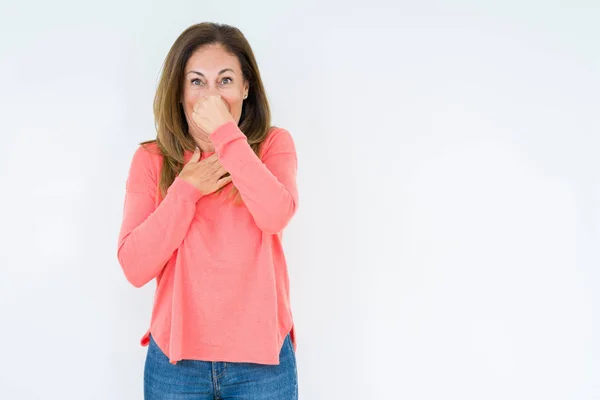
(205, 206)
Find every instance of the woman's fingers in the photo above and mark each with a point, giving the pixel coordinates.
(219, 171)
(211, 169)
(223, 181)
(196, 155)
(211, 160)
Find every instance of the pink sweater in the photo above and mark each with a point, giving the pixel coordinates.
(222, 289)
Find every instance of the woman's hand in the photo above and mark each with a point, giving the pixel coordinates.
(206, 174)
(210, 113)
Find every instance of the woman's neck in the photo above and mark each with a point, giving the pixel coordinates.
(205, 144)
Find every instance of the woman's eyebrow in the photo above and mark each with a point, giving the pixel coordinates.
(201, 74)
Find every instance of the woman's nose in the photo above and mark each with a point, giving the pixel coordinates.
(212, 91)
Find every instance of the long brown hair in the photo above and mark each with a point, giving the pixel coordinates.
(172, 137)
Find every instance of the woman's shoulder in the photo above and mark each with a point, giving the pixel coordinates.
(147, 156)
(278, 139)
(150, 150)
(280, 136)
(274, 130)
(150, 147)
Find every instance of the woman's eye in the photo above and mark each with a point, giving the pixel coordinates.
(197, 82)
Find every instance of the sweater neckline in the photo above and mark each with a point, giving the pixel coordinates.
(188, 154)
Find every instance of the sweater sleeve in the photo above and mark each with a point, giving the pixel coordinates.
(149, 235)
(267, 186)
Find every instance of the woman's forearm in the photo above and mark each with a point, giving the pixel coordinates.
(267, 187)
(149, 235)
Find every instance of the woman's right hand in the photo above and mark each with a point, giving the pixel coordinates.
(205, 175)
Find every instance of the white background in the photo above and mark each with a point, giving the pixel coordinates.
(447, 241)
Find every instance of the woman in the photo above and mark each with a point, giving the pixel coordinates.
(205, 206)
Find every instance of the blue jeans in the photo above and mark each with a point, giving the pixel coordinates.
(204, 380)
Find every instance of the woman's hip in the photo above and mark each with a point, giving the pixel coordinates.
(196, 379)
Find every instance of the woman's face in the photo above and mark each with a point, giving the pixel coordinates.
(210, 71)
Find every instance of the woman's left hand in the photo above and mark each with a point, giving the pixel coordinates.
(210, 112)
